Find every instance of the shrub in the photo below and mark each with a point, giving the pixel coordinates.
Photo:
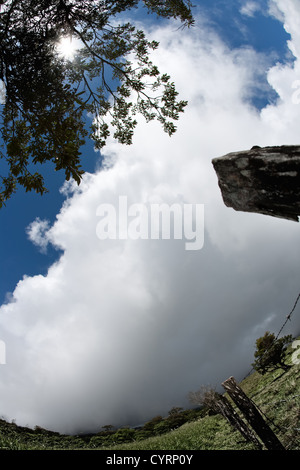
(270, 353)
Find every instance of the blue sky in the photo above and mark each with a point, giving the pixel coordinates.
(151, 319)
(19, 256)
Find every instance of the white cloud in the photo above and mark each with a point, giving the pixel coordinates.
(284, 115)
(37, 232)
(121, 330)
(2, 92)
(250, 8)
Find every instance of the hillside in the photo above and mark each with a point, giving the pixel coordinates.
(276, 394)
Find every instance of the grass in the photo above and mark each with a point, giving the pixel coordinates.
(209, 433)
(276, 394)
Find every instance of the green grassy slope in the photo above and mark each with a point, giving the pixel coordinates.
(276, 394)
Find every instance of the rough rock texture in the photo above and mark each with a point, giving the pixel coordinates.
(264, 180)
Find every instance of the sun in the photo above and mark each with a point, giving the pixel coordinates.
(66, 47)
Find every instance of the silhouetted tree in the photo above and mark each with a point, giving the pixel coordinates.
(47, 98)
(206, 396)
(175, 410)
(270, 352)
(149, 425)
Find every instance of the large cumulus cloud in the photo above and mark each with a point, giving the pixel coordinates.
(120, 330)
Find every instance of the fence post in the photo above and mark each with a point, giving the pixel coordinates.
(225, 408)
(252, 415)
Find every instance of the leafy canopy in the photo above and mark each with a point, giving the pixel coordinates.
(48, 97)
